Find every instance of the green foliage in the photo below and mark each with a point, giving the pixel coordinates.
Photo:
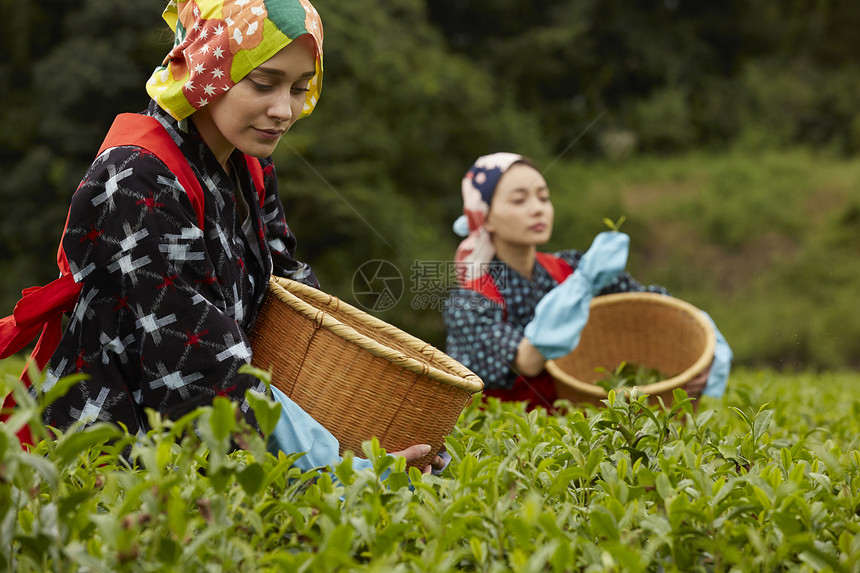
(673, 75)
(71, 67)
(627, 375)
(765, 479)
(664, 119)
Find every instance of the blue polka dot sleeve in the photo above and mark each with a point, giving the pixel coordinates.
(480, 338)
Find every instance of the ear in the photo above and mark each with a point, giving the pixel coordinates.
(488, 224)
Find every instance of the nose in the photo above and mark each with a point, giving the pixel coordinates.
(281, 108)
(537, 206)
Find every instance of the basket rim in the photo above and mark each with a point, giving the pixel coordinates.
(676, 381)
(459, 376)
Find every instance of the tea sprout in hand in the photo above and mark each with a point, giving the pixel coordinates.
(614, 226)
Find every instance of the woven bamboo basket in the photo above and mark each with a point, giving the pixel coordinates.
(357, 375)
(646, 329)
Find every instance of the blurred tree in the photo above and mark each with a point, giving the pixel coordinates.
(70, 69)
(675, 73)
(573, 60)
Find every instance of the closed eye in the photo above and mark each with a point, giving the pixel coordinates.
(259, 86)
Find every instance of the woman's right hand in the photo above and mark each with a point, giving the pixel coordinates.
(419, 451)
(528, 361)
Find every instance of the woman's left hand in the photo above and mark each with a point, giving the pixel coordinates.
(562, 313)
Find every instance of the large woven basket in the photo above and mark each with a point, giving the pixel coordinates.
(357, 375)
(646, 329)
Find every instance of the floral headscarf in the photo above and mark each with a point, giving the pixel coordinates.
(218, 42)
(478, 186)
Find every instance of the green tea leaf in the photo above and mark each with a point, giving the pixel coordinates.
(265, 410)
(222, 420)
(251, 478)
(594, 460)
(74, 443)
(176, 515)
(398, 480)
(61, 388)
(614, 225)
(762, 422)
(264, 375)
(664, 487)
(603, 522)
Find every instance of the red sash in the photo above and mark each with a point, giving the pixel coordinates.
(536, 390)
(41, 309)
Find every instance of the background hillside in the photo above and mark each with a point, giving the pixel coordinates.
(726, 133)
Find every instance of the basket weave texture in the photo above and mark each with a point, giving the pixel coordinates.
(646, 329)
(357, 375)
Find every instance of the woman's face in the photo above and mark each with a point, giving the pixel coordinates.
(521, 212)
(257, 111)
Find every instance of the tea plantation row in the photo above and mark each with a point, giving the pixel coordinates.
(766, 479)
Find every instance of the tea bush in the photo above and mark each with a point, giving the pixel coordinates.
(766, 479)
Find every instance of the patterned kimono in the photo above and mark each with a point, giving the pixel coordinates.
(165, 308)
(484, 337)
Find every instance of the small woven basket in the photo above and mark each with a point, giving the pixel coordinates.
(646, 329)
(357, 375)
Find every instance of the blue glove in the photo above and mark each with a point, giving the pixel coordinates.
(561, 315)
(297, 432)
(721, 366)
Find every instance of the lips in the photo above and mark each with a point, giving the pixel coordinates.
(538, 228)
(270, 134)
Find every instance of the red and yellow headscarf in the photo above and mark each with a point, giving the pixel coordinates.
(218, 42)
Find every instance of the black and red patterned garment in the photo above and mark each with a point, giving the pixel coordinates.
(165, 308)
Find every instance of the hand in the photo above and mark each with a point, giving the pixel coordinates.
(419, 451)
(562, 313)
(528, 361)
(438, 464)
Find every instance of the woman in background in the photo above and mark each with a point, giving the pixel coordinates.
(491, 318)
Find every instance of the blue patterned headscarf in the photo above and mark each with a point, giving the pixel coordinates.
(478, 186)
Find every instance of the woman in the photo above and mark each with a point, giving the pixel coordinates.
(170, 260)
(502, 278)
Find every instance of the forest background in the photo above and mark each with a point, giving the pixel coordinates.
(725, 132)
